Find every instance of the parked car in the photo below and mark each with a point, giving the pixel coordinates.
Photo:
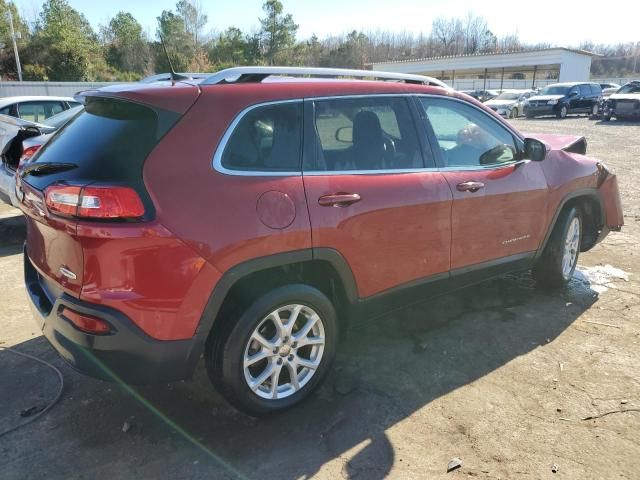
(606, 86)
(252, 220)
(35, 108)
(609, 91)
(21, 139)
(481, 95)
(510, 103)
(562, 99)
(624, 104)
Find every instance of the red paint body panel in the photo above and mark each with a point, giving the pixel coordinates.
(405, 227)
(398, 232)
(52, 243)
(184, 186)
(152, 277)
(553, 141)
(501, 219)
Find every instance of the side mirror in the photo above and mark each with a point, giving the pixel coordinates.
(573, 94)
(534, 150)
(344, 135)
(498, 154)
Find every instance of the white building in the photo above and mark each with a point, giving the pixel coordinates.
(500, 70)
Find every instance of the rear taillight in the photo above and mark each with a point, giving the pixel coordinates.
(86, 323)
(28, 153)
(94, 202)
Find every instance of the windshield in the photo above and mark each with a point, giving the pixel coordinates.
(555, 90)
(62, 118)
(630, 88)
(508, 96)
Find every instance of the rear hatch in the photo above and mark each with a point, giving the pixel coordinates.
(90, 174)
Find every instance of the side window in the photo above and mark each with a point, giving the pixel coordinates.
(585, 91)
(574, 89)
(373, 133)
(267, 138)
(52, 108)
(596, 89)
(31, 111)
(466, 136)
(6, 110)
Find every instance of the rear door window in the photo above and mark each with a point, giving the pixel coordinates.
(39, 111)
(373, 133)
(266, 139)
(585, 91)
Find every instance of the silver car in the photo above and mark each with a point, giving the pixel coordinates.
(9, 129)
(510, 103)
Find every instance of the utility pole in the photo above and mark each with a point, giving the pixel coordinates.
(15, 45)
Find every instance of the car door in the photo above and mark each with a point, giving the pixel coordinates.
(586, 98)
(370, 194)
(497, 199)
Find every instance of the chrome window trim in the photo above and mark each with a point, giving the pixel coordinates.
(388, 171)
(507, 127)
(222, 145)
(217, 157)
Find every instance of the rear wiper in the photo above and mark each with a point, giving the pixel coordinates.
(36, 169)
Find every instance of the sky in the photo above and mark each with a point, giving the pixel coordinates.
(560, 22)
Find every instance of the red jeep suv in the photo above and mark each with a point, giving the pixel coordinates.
(247, 216)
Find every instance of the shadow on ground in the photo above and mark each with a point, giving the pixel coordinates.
(387, 369)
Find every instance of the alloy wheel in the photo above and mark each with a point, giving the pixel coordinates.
(284, 351)
(571, 245)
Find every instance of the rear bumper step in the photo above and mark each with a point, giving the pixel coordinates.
(127, 354)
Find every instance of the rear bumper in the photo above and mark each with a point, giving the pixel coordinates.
(127, 355)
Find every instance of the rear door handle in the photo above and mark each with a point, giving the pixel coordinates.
(469, 186)
(338, 199)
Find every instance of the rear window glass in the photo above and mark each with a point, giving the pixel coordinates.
(109, 140)
(267, 138)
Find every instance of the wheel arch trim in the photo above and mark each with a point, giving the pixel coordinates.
(592, 193)
(240, 271)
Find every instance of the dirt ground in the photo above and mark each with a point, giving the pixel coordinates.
(499, 375)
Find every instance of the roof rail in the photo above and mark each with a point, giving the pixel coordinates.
(257, 74)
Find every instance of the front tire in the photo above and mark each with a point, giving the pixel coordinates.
(277, 352)
(563, 112)
(513, 113)
(555, 267)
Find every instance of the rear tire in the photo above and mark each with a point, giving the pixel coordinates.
(557, 263)
(253, 360)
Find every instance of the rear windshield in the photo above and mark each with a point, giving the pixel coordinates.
(108, 141)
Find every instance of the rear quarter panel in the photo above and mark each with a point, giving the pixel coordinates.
(213, 213)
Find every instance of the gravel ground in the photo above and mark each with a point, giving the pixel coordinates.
(515, 383)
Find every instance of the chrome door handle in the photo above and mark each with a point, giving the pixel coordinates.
(338, 199)
(469, 186)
